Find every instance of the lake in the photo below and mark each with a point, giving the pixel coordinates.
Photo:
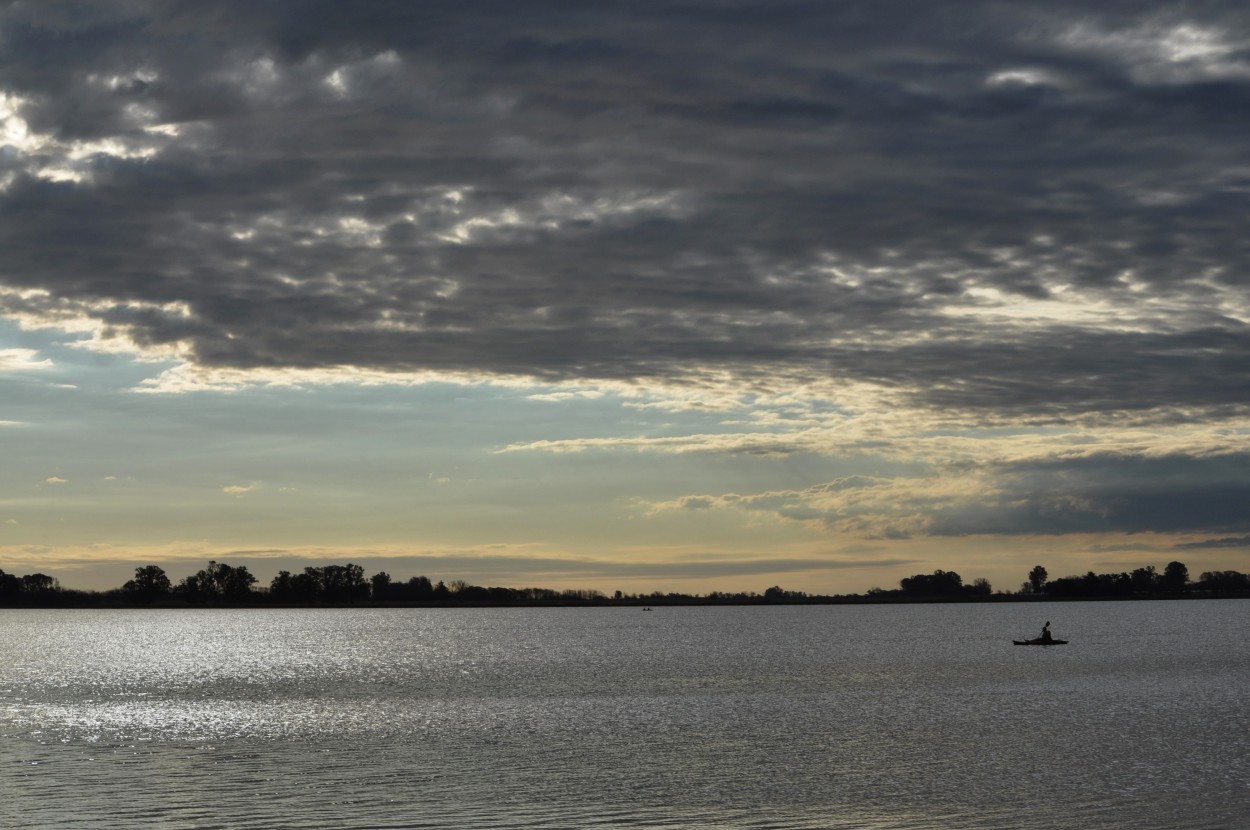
(880, 717)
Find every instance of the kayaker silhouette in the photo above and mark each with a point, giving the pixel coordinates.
(1044, 640)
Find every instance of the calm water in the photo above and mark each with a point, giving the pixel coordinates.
(805, 717)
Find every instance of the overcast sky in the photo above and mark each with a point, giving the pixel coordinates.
(641, 295)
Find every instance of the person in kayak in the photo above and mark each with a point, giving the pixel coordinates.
(1046, 638)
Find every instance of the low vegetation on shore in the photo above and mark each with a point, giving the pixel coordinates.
(234, 585)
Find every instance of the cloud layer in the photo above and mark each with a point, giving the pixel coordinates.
(974, 207)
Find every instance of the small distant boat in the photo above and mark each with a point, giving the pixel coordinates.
(1040, 642)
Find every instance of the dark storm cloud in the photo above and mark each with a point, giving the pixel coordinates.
(1112, 492)
(643, 190)
(1065, 370)
(1209, 544)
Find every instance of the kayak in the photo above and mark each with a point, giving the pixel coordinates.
(1040, 642)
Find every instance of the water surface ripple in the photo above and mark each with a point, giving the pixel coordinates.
(751, 718)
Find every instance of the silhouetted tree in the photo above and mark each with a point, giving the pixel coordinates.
(1175, 577)
(582, 595)
(539, 594)
(150, 584)
(343, 583)
(469, 593)
(1223, 582)
(937, 584)
(380, 586)
(331, 583)
(779, 594)
(281, 588)
(420, 589)
(193, 590)
(306, 586)
(36, 584)
(234, 583)
(1091, 585)
(1037, 578)
(217, 583)
(502, 595)
(1144, 580)
(10, 586)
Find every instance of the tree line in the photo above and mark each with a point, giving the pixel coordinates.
(1146, 581)
(219, 583)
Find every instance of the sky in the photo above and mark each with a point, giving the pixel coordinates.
(681, 296)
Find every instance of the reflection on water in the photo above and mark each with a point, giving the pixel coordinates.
(791, 717)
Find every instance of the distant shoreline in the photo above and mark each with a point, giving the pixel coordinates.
(345, 586)
(101, 601)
